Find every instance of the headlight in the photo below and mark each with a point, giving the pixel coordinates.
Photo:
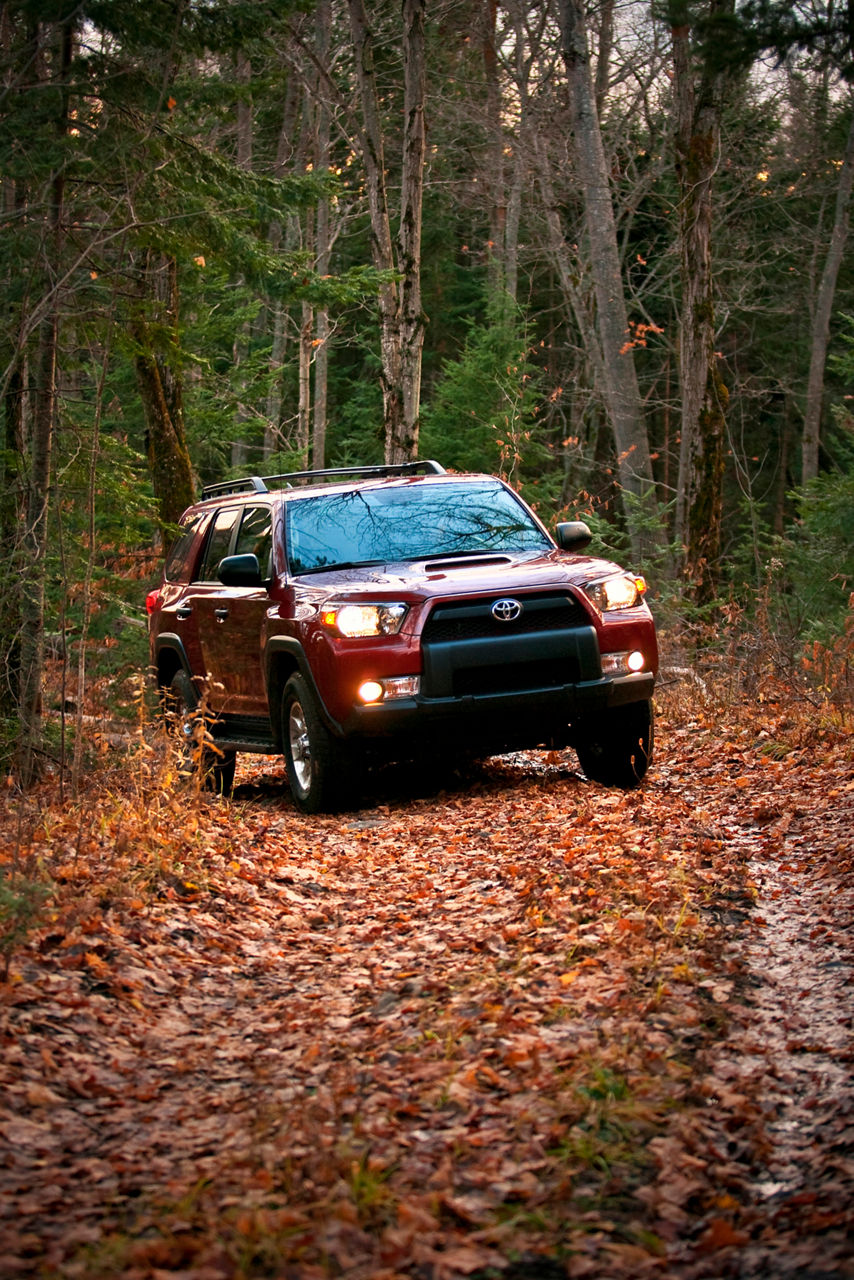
(354, 620)
(620, 591)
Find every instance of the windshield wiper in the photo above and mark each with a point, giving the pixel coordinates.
(339, 564)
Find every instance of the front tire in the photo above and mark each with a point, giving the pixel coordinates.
(316, 762)
(616, 749)
(184, 713)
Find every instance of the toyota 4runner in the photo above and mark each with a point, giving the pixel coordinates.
(337, 615)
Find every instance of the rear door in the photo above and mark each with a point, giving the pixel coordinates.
(177, 617)
(230, 619)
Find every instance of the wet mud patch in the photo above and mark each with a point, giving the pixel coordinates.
(777, 1155)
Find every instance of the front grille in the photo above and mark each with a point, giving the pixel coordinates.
(472, 620)
(468, 653)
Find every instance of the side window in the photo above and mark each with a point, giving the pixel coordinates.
(256, 537)
(219, 541)
(179, 562)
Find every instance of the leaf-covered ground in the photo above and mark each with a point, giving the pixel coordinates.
(524, 1026)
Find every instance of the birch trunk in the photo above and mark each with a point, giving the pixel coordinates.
(401, 318)
(620, 387)
(382, 252)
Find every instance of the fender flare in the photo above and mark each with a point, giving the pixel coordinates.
(170, 642)
(292, 648)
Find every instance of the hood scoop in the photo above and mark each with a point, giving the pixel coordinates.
(475, 562)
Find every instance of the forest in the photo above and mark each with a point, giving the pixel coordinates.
(498, 1022)
(599, 250)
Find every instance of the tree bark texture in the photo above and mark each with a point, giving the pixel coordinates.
(698, 102)
(620, 390)
(324, 244)
(306, 336)
(405, 447)
(493, 158)
(161, 392)
(401, 317)
(820, 329)
(38, 466)
(243, 336)
(373, 155)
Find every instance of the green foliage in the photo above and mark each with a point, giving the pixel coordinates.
(817, 557)
(481, 417)
(793, 591)
(22, 898)
(355, 408)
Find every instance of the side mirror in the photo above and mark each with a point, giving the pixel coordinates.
(573, 535)
(240, 571)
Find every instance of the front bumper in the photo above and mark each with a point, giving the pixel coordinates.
(529, 718)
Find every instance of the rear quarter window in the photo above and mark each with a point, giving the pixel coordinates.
(180, 561)
(218, 543)
(255, 537)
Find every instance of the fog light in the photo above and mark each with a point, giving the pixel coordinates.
(390, 688)
(371, 691)
(620, 664)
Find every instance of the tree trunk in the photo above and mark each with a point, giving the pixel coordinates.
(566, 269)
(603, 59)
(161, 392)
(401, 319)
(704, 395)
(304, 410)
(493, 163)
(11, 521)
(621, 392)
(405, 447)
(373, 155)
(820, 330)
(323, 253)
(278, 239)
(37, 481)
(242, 338)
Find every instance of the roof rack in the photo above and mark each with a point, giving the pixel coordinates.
(254, 483)
(260, 484)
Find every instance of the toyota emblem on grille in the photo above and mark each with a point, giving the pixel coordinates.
(506, 610)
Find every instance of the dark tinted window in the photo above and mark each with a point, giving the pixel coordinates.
(179, 565)
(407, 523)
(219, 541)
(256, 537)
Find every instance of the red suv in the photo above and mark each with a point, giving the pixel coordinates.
(380, 611)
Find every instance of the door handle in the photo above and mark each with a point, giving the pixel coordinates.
(220, 614)
(184, 612)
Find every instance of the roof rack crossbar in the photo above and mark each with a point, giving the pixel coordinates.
(259, 484)
(254, 484)
(385, 469)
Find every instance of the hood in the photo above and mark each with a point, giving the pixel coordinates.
(503, 572)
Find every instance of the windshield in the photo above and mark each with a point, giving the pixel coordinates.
(376, 526)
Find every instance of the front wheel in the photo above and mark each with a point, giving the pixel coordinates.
(616, 749)
(316, 761)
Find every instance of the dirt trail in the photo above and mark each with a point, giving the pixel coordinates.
(785, 1155)
(792, 1049)
(526, 1027)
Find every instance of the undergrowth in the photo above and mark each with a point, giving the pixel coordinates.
(141, 820)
